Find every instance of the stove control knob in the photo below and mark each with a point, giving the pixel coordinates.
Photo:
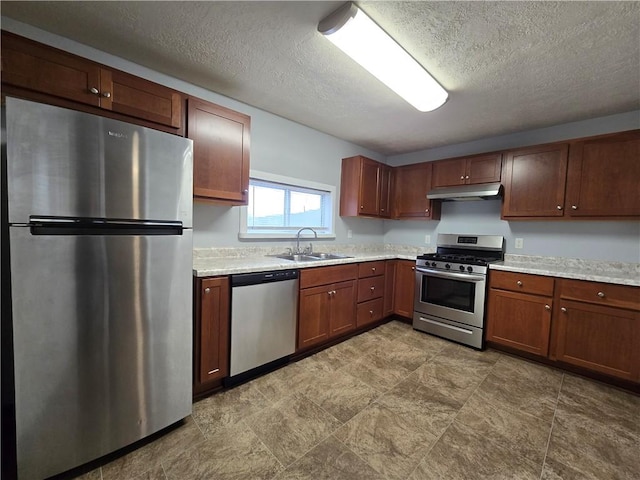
(447, 266)
(462, 268)
(434, 264)
(469, 269)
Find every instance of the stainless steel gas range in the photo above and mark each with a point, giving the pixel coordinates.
(451, 287)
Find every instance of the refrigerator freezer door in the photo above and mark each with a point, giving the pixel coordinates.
(73, 164)
(103, 333)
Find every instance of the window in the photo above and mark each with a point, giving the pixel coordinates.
(280, 206)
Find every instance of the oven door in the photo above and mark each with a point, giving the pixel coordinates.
(453, 296)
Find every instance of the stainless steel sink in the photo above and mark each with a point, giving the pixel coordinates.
(311, 257)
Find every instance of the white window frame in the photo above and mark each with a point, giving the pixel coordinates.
(244, 233)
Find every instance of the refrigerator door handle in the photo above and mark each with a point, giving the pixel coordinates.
(46, 225)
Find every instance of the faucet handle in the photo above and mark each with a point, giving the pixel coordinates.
(289, 251)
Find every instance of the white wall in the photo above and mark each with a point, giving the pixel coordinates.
(287, 148)
(595, 240)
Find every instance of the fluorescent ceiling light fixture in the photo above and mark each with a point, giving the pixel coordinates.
(363, 40)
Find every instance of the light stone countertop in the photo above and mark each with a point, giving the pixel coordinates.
(209, 262)
(596, 271)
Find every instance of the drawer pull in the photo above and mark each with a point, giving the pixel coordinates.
(563, 310)
(574, 207)
(207, 290)
(559, 207)
(371, 313)
(373, 269)
(601, 294)
(94, 90)
(547, 307)
(519, 283)
(373, 288)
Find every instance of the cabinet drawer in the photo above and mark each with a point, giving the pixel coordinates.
(370, 288)
(621, 296)
(521, 282)
(370, 269)
(368, 312)
(312, 277)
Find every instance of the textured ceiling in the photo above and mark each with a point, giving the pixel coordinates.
(508, 66)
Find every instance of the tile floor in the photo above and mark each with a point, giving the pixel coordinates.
(394, 403)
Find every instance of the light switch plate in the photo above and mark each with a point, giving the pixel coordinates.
(427, 239)
(349, 233)
(519, 243)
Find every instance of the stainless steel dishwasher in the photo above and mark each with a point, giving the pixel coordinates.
(263, 322)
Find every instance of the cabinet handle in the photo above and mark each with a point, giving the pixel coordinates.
(382, 209)
(373, 288)
(427, 211)
(563, 310)
(601, 294)
(519, 283)
(467, 177)
(371, 313)
(245, 191)
(574, 207)
(94, 90)
(207, 290)
(413, 268)
(106, 94)
(559, 207)
(461, 177)
(361, 206)
(547, 307)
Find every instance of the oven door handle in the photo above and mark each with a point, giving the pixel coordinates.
(460, 276)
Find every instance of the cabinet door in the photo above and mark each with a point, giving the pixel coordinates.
(603, 176)
(484, 169)
(220, 152)
(140, 98)
(599, 338)
(314, 315)
(412, 182)
(343, 308)
(389, 287)
(405, 288)
(534, 182)
(40, 68)
(519, 320)
(213, 334)
(384, 180)
(447, 173)
(369, 187)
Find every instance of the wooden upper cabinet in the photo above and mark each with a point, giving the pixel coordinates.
(365, 188)
(484, 168)
(603, 176)
(43, 73)
(412, 183)
(220, 152)
(534, 181)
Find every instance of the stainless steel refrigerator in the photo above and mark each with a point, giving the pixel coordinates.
(97, 285)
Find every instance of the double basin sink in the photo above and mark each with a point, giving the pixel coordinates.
(311, 257)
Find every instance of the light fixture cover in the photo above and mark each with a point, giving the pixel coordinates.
(351, 30)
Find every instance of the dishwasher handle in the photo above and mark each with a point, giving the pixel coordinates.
(245, 279)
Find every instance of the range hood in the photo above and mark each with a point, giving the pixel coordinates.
(487, 191)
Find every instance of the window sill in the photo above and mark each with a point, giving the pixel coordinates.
(284, 236)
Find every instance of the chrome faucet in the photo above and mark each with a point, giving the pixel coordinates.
(298, 239)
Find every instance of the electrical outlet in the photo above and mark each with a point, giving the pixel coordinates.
(427, 239)
(519, 242)
(349, 233)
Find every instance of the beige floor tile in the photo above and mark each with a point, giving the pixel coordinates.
(391, 444)
(234, 453)
(225, 408)
(463, 453)
(292, 426)
(284, 381)
(150, 456)
(377, 371)
(424, 407)
(341, 394)
(401, 354)
(430, 344)
(330, 460)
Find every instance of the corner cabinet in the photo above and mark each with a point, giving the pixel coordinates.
(38, 72)
(327, 304)
(365, 188)
(484, 168)
(220, 152)
(211, 332)
(412, 183)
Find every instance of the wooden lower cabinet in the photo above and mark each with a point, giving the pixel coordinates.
(590, 325)
(389, 287)
(371, 286)
(326, 310)
(211, 332)
(519, 311)
(404, 288)
(597, 326)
